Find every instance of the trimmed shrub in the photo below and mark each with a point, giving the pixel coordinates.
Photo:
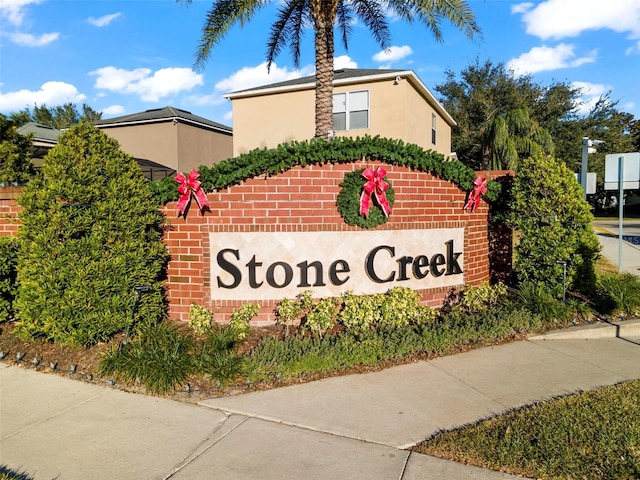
(8, 259)
(16, 166)
(90, 233)
(554, 221)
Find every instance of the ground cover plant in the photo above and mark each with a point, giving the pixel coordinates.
(191, 362)
(593, 435)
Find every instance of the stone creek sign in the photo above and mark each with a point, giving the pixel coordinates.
(272, 266)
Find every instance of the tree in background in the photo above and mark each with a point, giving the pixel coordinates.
(90, 233)
(15, 153)
(605, 122)
(485, 98)
(635, 135)
(294, 16)
(60, 117)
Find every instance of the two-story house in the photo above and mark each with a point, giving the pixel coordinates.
(389, 103)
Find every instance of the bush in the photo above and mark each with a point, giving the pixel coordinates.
(216, 356)
(399, 307)
(159, 358)
(200, 318)
(618, 293)
(480, 298)
(16, 166)
(90, 233)
(8, 287)
(322, 316)
(240, 318)
(538, 299)
(162, 357)
(360, 312)
(549, 211)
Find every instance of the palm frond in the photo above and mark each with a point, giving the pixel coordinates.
(372, 14)
(219, 19)
(458, 12)
(287, 29)
(344, 21)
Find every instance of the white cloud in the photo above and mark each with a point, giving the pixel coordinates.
(113, 110)
(104, 20)
(50, 93)
(569, 18)
(249, 77)
(521, 7)
(590, 94)
(205, 100)
(628, 107)
(392, 54)
(14, 10)
(28, 40)
(141, 82)
(342, 61)
(634, 49)
(540, 59)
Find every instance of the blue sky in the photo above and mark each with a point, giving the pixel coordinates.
(127, 56)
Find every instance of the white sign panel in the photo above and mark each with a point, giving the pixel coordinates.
(631, 171)
(591, 182)
(276, 265)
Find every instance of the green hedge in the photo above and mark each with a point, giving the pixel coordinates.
(318, 151)
(8, 260)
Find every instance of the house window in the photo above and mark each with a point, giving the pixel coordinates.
(433, 128)
(351, 110)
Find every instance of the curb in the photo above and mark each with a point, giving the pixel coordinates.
(626, 328)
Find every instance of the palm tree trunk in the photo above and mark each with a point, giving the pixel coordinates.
(324, 68)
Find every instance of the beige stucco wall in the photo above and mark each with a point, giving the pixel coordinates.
(175, 145)
(156, 142)
(198, 146)
(268, 120)
(395, 111)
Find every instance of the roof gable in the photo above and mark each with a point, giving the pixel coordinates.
(347, 76)
(165, 114)
(42, 133)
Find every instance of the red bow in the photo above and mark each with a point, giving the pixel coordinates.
(377, 186)
(188, 186)
(479, 188)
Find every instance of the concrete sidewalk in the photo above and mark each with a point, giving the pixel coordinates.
(351, 427)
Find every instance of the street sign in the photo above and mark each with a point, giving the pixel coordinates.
(633, 239)
(631, 169)
(591, 182)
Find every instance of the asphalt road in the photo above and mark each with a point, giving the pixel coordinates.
(628, 251)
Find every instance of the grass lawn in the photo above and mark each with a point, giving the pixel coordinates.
(591, 435)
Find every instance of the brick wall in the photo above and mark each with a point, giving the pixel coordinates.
(304, 199)
(300, 200)
(9, 210)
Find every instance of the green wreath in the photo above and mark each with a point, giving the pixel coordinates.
(349, 202)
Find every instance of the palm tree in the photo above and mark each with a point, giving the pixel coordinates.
(513, 137)
(323, 15)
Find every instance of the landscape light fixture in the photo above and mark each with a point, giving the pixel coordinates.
(587, 148)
